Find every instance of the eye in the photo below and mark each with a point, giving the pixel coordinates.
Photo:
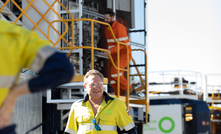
(99, 84)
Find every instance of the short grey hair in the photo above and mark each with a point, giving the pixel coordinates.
(92, 72)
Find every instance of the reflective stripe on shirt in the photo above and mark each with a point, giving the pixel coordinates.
(113, 82)
(6, 81)
(115, 75)
(128, 127)
(122, 39)
(70, 131)
(118, 39)
(83, 128)
(41, 57)
(109, 47)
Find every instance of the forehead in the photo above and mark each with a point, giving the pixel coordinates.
(106, 15)
(94, 78)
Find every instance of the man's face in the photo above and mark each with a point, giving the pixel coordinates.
(108, 18)
(94, 87)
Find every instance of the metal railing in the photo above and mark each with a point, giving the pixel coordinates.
(138, 101)
(144, 85)
(72, 47)
(36, 25)
(213, 88)
(175, 82)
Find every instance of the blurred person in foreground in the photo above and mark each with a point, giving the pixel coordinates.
(21, 48)
(98, 113)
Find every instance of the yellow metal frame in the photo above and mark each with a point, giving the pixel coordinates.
(72, 47)
(94, 48)
(213, 95)
(125, 99)
(42, 16)
(144, 85)
(138, 72)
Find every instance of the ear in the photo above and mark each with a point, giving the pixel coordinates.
(112, 18)
(85, 87)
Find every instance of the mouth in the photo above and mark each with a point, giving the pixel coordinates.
(97, 92)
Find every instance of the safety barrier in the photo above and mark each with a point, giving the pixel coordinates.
(212, 89)
(94, 48)
(72, 46)
(143, 86)
(42, 15)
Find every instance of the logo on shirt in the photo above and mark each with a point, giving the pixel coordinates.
(108, 111)
(128, 112)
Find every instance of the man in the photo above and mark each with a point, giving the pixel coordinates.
(98, 113)
(120, 33)
(21, 48)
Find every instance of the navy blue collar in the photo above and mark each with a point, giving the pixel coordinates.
(107, 97)
(112, 23)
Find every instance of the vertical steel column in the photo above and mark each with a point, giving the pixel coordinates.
(180, 83)
(201, 89)
(80, 2)
(146, 67)
(163, 78)
(196, 79)
(205, 94)
(92, 44)
(114, 8)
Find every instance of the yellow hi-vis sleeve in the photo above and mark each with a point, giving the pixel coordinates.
(71, 126)
(124, 120)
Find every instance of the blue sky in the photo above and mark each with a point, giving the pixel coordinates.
(184, 35)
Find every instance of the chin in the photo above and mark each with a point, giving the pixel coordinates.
(98, 94)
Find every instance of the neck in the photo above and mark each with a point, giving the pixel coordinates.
(112, 23)
(97, 101)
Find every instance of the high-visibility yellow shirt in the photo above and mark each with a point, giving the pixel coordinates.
(111, 114)
(18, 49)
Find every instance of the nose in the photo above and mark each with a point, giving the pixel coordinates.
(95, 85)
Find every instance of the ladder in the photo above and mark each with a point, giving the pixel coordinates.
(7, 15)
